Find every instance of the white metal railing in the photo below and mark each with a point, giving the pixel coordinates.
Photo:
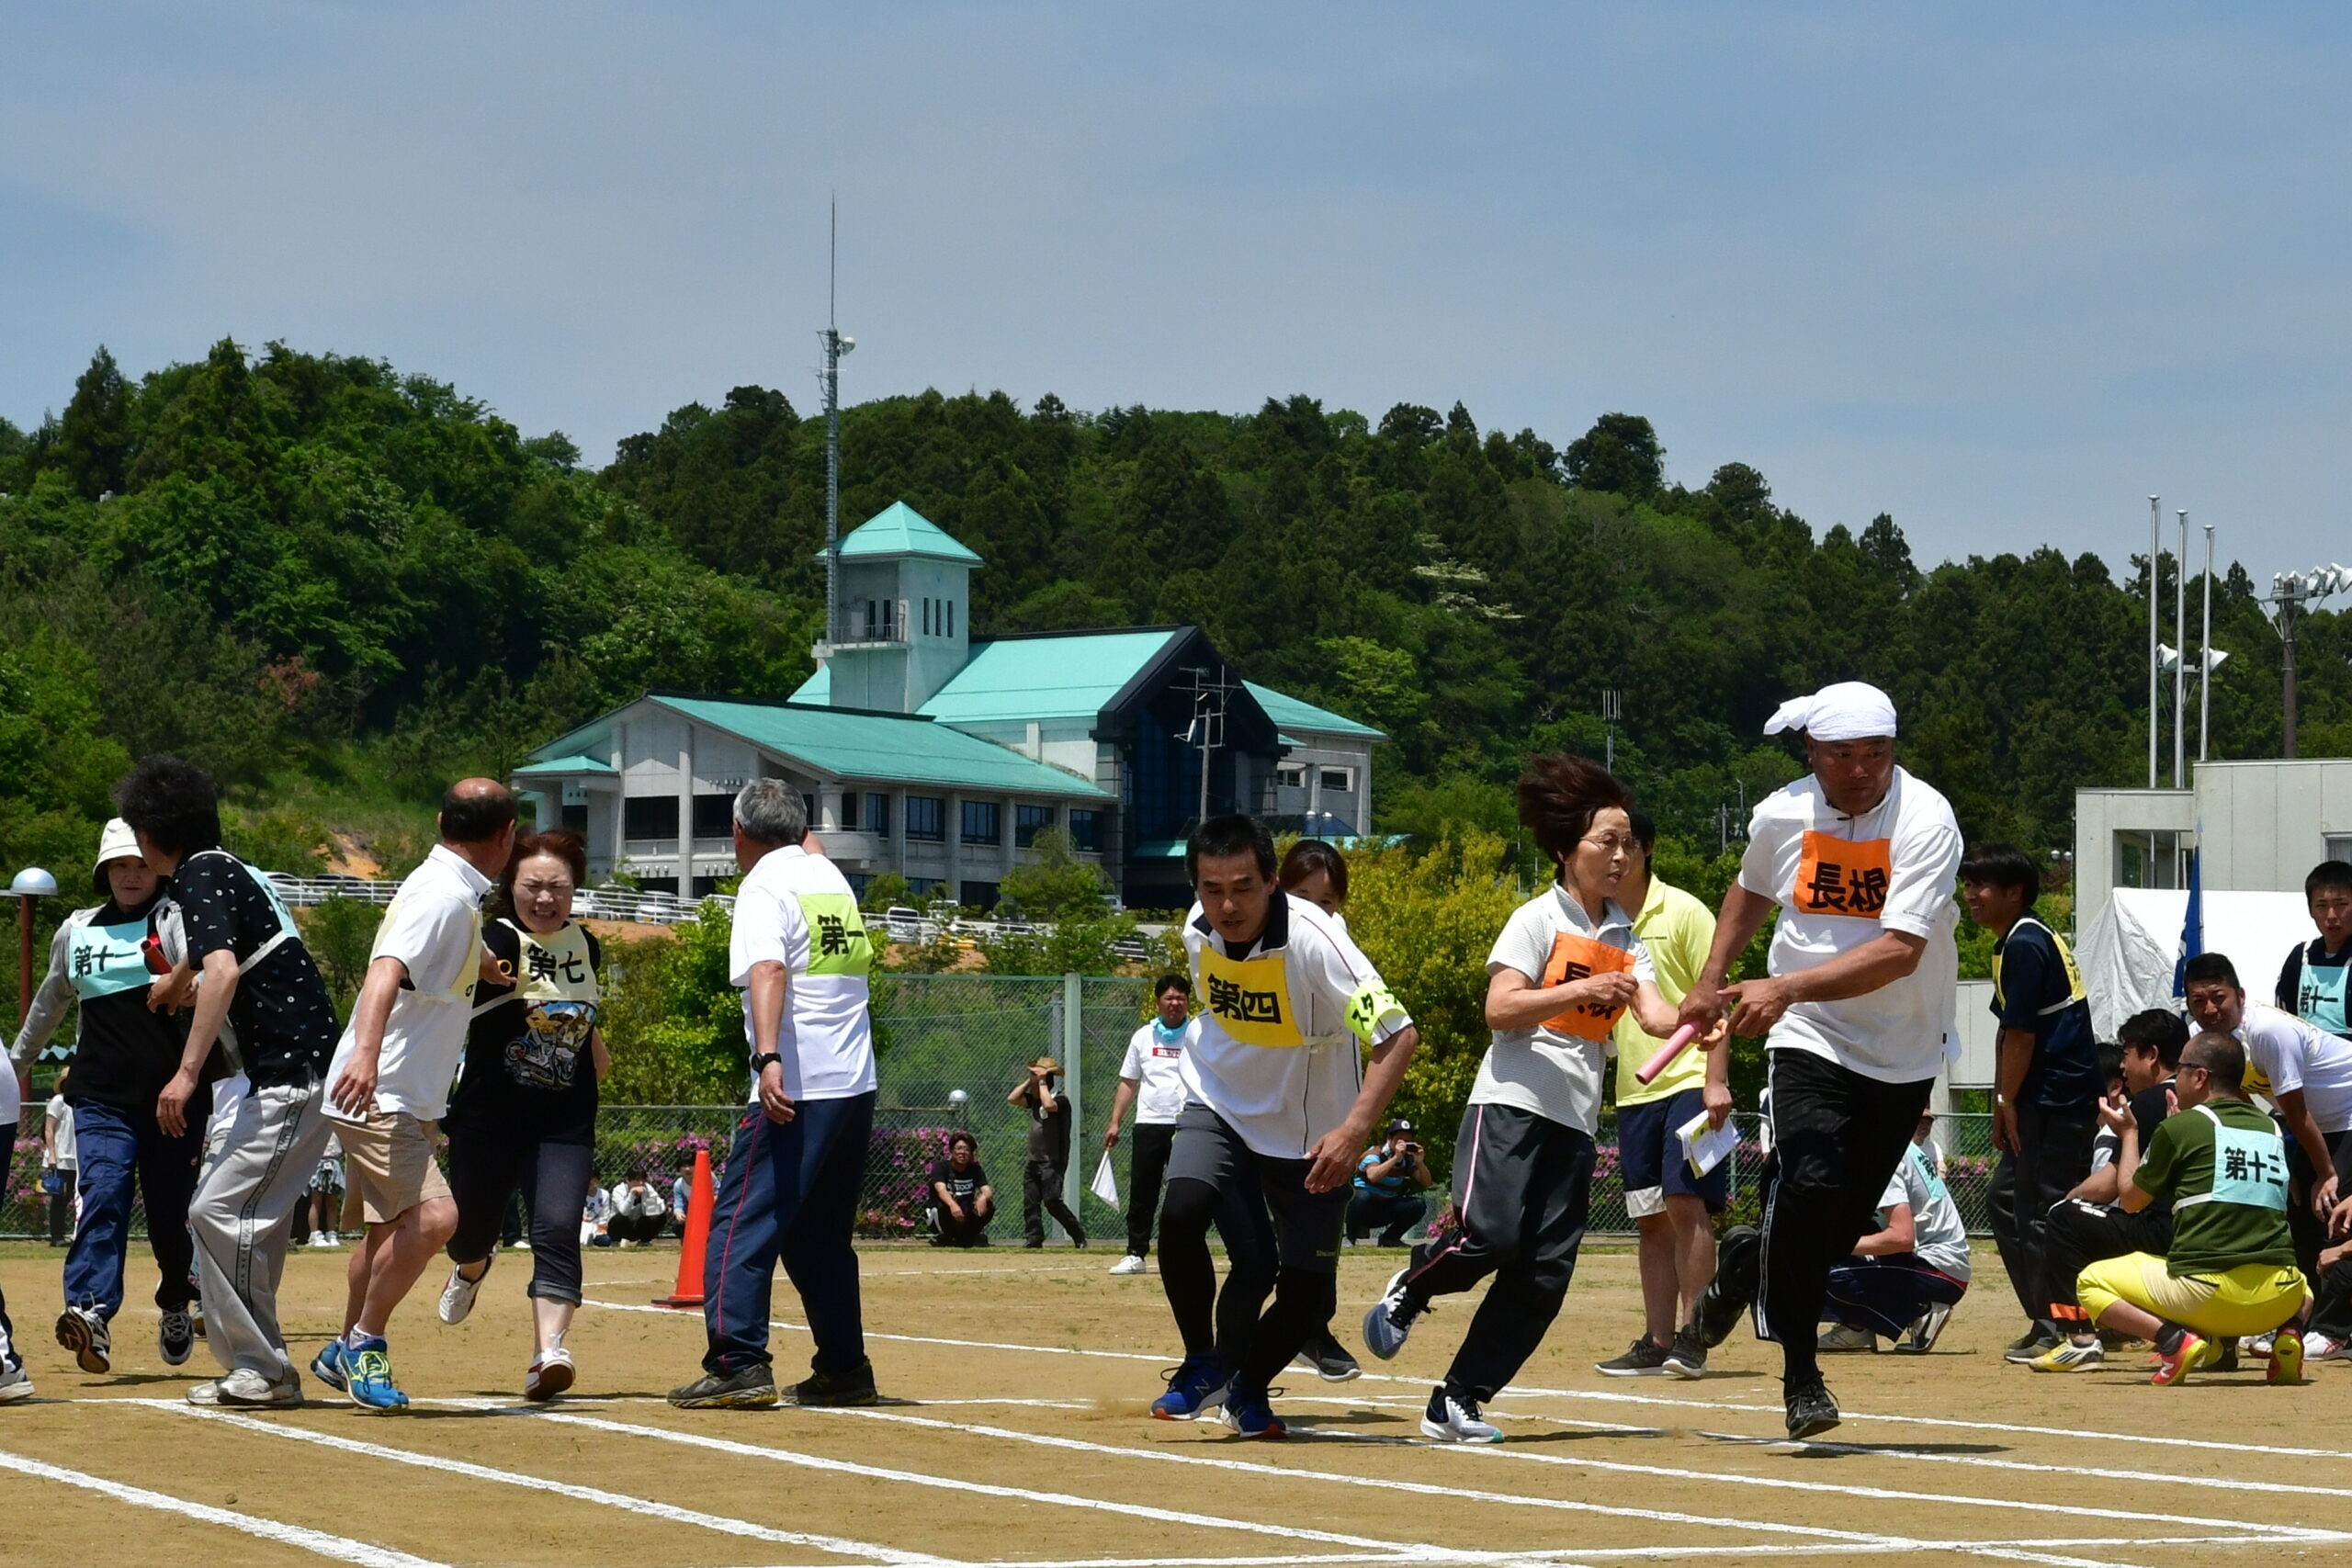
(903, 925)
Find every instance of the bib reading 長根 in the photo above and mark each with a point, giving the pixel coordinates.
(1573, 958)
(1842, 877)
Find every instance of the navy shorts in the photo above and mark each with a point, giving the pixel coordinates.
(1649, 1156)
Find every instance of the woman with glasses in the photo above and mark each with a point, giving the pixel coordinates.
(1566, 967)
(524, 1111)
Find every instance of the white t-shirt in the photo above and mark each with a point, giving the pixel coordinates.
(1938, 1236)
(1277, 1051)
(1155, 1064)
(434, 927)
(2284, 1053)
(1840, 881)
(796, 909)
(638, 1205)
(68, 1157)
(1555, 1069)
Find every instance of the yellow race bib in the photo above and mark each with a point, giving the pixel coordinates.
(1250, 998)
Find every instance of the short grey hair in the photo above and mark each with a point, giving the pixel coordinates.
(770, 811)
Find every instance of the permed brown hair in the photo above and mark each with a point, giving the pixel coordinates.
(561, 843)
(1558, 795)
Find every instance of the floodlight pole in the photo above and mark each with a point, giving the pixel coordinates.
(2156, 562)
(2286, 591)
(2180, 658)
(2205, 652)
(835, 346)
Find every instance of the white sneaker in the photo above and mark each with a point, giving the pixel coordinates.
(247, 1387)
(2325, 1348)
(551, 1372)
(15, 1384)
(524, 1245)
(2257, 1345)
(1130, 1264)
(318, 1238)
(1846, 1336)
(458, 1295)
(1450, 1418)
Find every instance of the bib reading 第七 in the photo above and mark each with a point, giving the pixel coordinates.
(1575, 957)
(1842, 877)
(1250, 998)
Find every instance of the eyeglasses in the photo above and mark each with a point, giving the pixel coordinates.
(1609, 843)
(544, 889)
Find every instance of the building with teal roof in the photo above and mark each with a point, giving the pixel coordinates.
(924, 751)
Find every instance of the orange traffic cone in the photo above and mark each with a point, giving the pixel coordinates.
(688, 1292)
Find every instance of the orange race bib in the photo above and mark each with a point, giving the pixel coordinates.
(1841, 876)
(1577, 957)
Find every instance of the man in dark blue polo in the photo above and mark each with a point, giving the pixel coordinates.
(2045, 1099)
(2311, 984)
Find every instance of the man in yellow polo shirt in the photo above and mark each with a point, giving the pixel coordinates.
(1671, 1208)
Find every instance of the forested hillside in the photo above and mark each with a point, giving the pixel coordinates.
(338, 584)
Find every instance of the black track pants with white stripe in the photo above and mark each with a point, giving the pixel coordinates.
(1522, 1187)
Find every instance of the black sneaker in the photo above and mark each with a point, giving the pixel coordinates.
(819, 1390)
(2229, 1357)
(2030, 1344)
(175, 1337)
(1689, 1356)
(1328, 1357)
(753, 1388)
(1810, 1409)
(1647, 1359)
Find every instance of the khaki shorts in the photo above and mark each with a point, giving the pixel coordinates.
(388, 1164)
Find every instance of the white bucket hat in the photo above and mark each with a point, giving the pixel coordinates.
(118, 842)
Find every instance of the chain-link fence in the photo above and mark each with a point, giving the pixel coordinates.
(951, 1047)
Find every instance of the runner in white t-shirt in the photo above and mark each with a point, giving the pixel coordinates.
(1275, 1093)
(2302, 1070)
(800, 953)
(1859, 858)
(1567, 967)
(389, 1081)
(1152, 1081)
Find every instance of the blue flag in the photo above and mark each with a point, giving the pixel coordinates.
(2192, 927)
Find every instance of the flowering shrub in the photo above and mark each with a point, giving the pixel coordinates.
(898, 1179)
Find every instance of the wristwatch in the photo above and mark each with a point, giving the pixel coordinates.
(759, 1063)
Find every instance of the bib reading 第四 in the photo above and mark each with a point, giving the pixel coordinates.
(1575, 957)
(1842, 877)
(1250, 998)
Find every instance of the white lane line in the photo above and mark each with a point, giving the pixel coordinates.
(645, 1506)
(2136, 1439)
(1880, 1493)
(954, 1483)
(2161, 1478)
(343, 1549)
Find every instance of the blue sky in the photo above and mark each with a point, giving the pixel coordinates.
(2001, 271)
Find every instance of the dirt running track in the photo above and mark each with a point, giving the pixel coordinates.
(1015, 1433)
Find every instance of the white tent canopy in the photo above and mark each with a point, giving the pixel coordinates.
(2128, 954)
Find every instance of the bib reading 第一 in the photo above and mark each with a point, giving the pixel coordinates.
(1250, 998)
(1573, 958)
(1842, 877)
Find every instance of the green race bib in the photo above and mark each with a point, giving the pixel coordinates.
(837, 941)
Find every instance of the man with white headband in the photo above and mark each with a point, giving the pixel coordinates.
(1859, 858)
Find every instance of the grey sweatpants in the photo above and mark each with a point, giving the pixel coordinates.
(257, 1166)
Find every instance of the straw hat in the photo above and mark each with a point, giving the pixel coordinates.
(1045, 1064)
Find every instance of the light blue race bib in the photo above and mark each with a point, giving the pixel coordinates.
(2249, 1167)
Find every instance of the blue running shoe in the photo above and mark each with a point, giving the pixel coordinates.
(368, 1366)
(1194, 1389)
(331, 1368)
(1250, 1415)
(1391, 1318)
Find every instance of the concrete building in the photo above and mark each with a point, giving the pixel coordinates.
(925, 752)
(2259, 826)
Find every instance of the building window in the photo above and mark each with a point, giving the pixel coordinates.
(924, 888)
(982, 823)
(2157, 859)
(649, 817)
(926, 817)
(714, 816)
(668, 884)
(1291, 775)
(1085, 833)
(1028, 821)
(849, 809)
(575, 819)
(859, 881)
(926, 617)
(807, 808)
(706, 885)
(877, 815)
(2339, 846)
(951, 617)
(978, 895)
(1338, 780)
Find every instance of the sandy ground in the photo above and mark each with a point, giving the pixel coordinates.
(1015, 1431)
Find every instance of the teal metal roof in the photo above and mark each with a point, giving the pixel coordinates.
(575, 764)
(853, 745)
(1046, 677)
(1289, 713)
(899, 530)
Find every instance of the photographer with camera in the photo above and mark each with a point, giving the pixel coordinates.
(1040, 1093)
(1389, 1180)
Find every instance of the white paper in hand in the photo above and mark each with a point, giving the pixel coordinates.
(1704, 1148)
(1105, 1185)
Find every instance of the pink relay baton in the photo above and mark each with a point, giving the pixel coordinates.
(1676, 1044)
